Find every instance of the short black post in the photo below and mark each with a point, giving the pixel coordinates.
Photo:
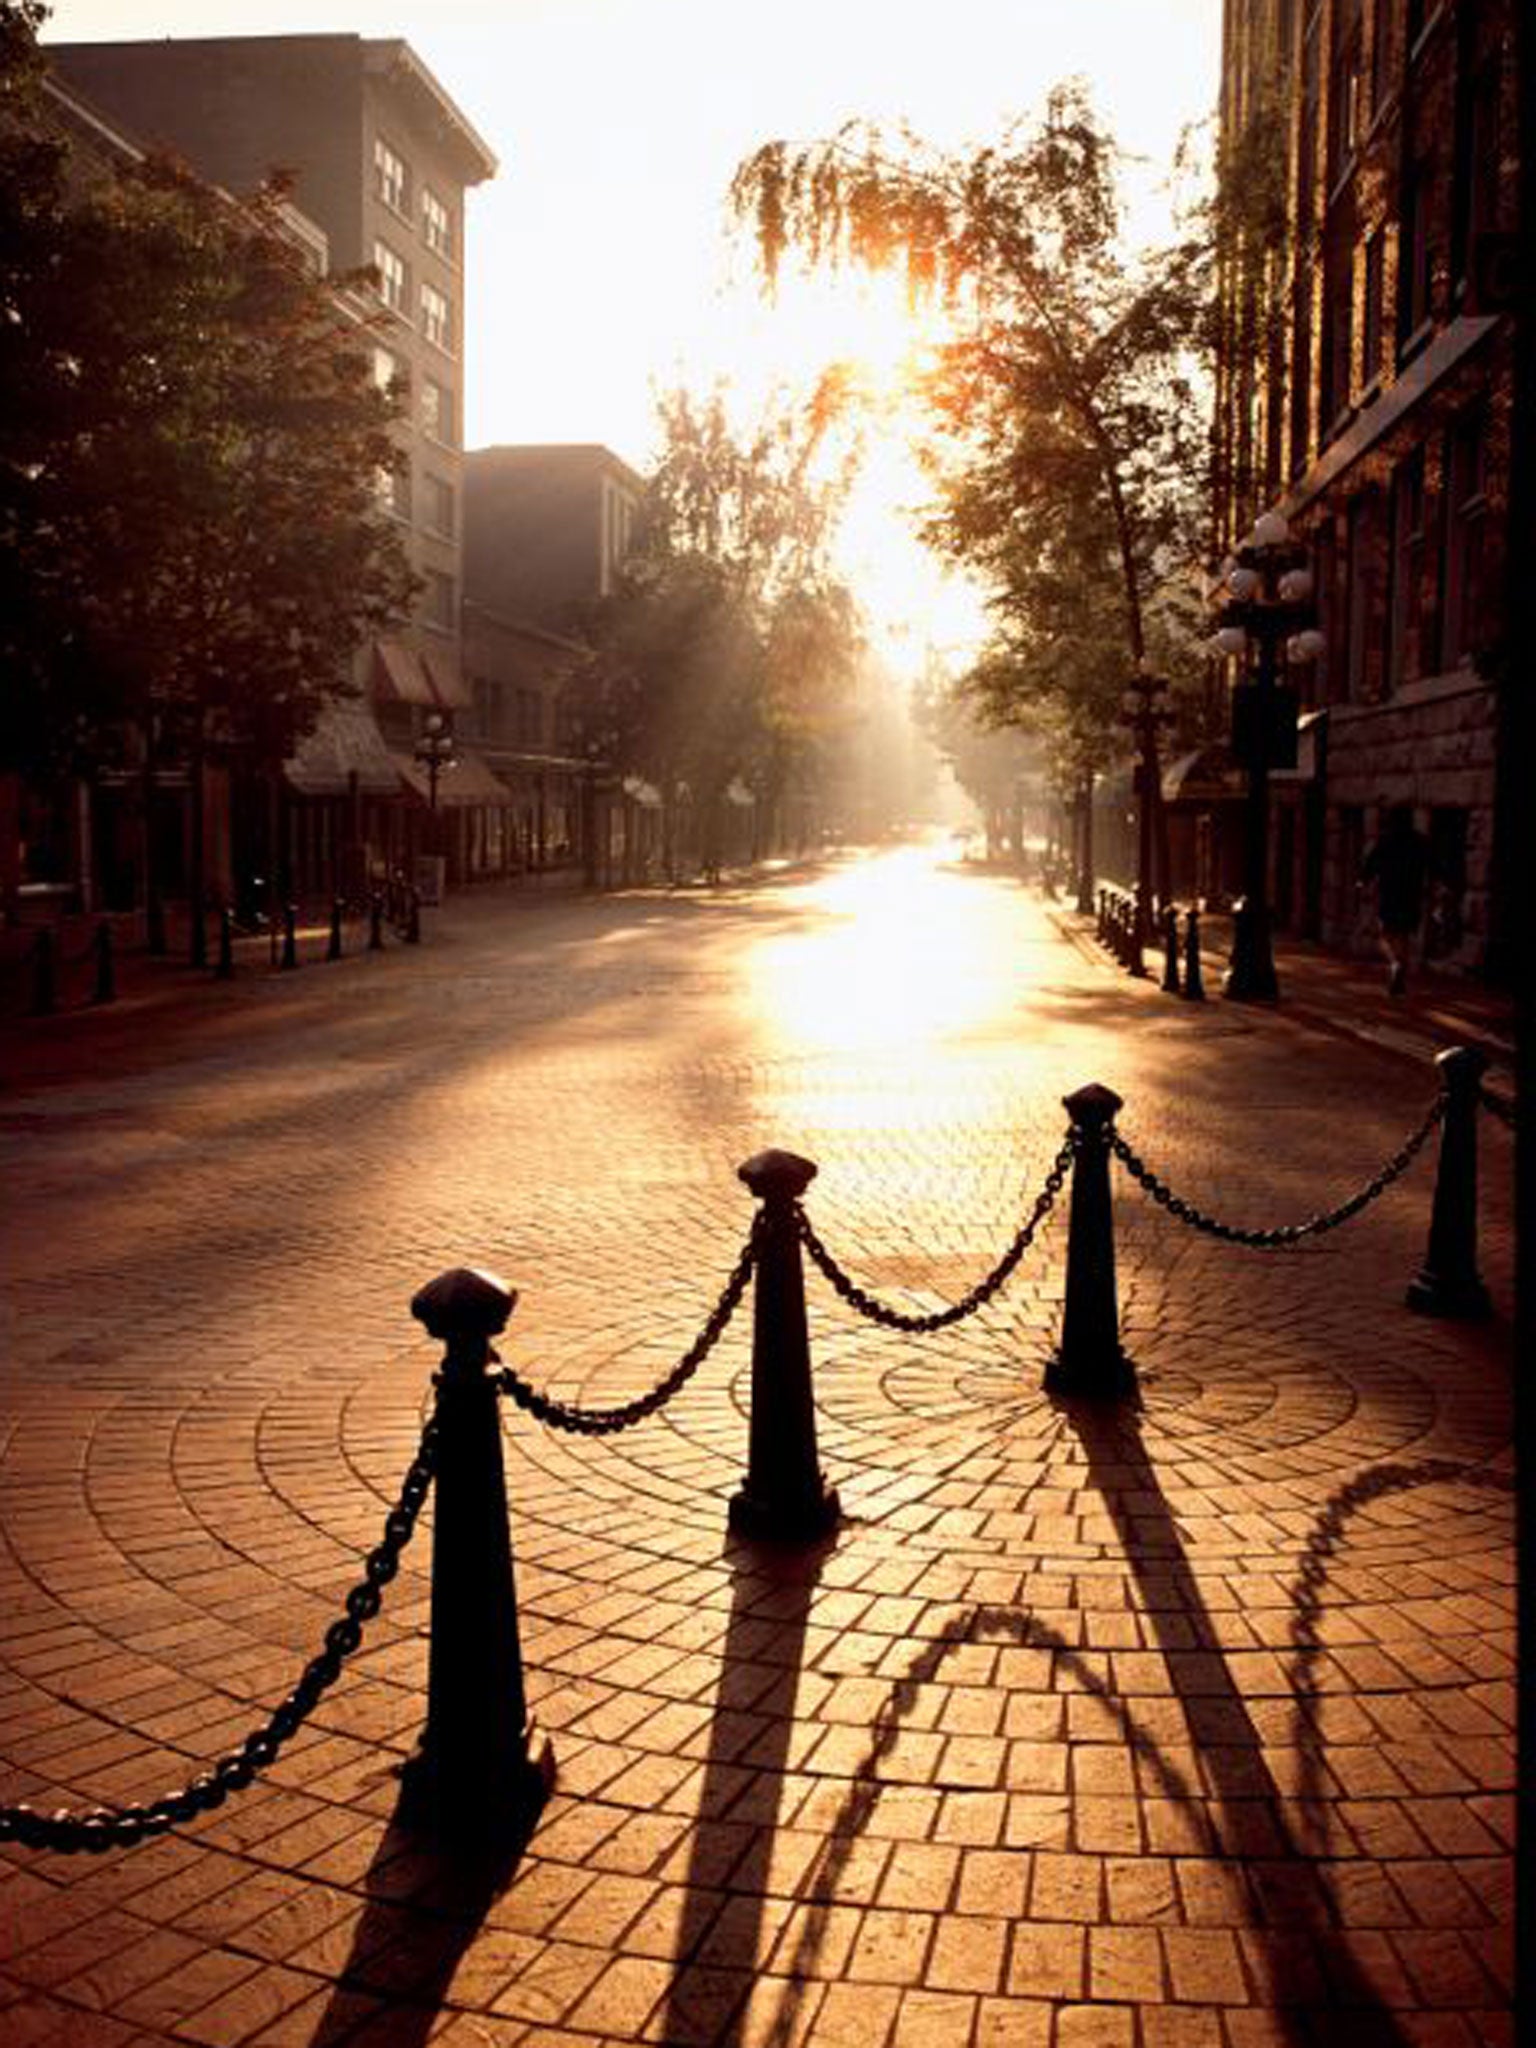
(413, 917)
(105, 990)
(1089, 1361)
(1135, 938)
(45, 973)
(226, 963)
(333, 949)
(1194, 985)
(785, 1497)
(1170, 951)
(483, 1768)
(290, 936)
(1101, 931)
(376, 922)
(1448, 1283)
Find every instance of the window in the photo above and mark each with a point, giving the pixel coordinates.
(1346, 113)
(1381, 53)
(438, 601)
(393, 486)
(1407, 570)
(1338, 333)
(1371, 331)
(436, 317)
(389, 175)
(1466, 537)
(1477, 165)
(388, 370)
(437, 411)
(440, 506)
(436, 223)
(1306, 146)
(1414, 258)
(1363, 569)
(391, 269)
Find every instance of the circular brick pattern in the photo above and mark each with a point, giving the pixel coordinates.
(1137, 1709)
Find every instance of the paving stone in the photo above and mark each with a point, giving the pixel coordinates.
(1184, 1726)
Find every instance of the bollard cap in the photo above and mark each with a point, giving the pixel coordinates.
(1461, 1066)
(1093, 1105)
(464, 1302)
(777, 1175)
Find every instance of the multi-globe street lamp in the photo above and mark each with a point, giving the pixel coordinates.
(434, 751)
(1145, 707)
(1268, 607)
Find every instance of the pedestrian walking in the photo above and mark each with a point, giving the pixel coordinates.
(1398, 868)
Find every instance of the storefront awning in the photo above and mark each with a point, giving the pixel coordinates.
(1204, 777)
(346, 743)
(468, 781)
(448, 687)
(398, 676)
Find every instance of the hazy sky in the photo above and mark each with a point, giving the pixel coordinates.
(597, 260)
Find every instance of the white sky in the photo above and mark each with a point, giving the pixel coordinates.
(598, 266)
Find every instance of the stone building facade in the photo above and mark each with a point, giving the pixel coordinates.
(1365, 391)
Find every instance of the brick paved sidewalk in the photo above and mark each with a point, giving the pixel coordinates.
(1182, 1722)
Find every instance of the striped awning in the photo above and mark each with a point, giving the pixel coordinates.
(468, 781)
(345, 743)
(399, 677)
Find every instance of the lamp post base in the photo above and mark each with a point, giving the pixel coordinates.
(1250, 975)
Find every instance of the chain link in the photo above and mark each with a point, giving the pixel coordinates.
(1284, 1234)
(1497, 1106)
(608, 1421)
(980, 1294)
(120, 1827)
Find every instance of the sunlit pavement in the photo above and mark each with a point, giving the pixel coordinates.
(1184, 1723)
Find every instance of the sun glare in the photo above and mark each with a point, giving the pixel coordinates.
(882, 965)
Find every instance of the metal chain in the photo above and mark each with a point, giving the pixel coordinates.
(119, 1827)
(1497, 1106)
(607, 1421)
(1284, 1234)
(980, 1294)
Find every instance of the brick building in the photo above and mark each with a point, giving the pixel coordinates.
(382, 159)
(1365, 391)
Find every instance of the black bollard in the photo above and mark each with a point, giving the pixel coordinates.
(1194, 986)
(1448, 1283)
(376, 922)
(1135, 939)
(1101, 930)
(105, 990)
(290, 936)
(413, 918)
(785, 1497)
(1170, 951)
(226, 962)
(1089, 1361)
(333, 950)
(483, 1769)
(45, 973)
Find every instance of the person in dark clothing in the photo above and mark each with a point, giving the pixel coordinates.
(1398, 865)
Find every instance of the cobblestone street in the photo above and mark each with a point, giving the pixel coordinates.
(1179, 1724)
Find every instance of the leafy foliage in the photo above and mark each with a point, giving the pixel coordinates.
(727, 652)
(1071, 454)
(189, 452)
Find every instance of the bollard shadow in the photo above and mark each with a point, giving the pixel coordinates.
(1324, 1540)
(724, 1937)
(1303, 1949)
(426, 1903)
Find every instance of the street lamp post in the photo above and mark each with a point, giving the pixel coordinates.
(434, 751)
(1145, 709)
(1268, 607)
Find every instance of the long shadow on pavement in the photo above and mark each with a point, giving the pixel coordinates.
(724, 1938)
(426, 1905)
(1305, 1954)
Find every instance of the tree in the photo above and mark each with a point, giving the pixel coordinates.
(189, 498)
(1072, 453)
(726, 653)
